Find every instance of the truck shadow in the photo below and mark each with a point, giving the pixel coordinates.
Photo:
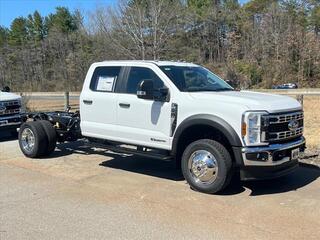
(303, 176)
(130, 163)
(151, 167)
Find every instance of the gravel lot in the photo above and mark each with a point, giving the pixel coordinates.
(312, 157)
(85, 193)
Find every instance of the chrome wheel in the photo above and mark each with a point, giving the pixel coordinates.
(203, 167)
(27, 140)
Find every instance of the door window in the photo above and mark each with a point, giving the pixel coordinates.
(137, 74)
(104, 79)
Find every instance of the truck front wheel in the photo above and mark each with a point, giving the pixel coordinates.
(206, 165)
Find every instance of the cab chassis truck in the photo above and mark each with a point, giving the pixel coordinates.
(179, 111)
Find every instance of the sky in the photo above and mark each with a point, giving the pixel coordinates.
(10, 9)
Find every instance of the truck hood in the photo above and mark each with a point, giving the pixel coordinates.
(5, 96)
(251, 100)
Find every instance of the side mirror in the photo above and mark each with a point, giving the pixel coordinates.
(162, 94)
(6, 89)
(145, 89)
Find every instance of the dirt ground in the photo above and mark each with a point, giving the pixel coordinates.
(82, 192)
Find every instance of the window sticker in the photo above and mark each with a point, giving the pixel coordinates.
(106, 83)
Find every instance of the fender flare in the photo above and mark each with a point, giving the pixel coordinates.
(210, 120)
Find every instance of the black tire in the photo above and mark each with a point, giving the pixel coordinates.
(223, 162)
(40, 139)
(51, 136)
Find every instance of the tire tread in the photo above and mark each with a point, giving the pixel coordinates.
(51, 136)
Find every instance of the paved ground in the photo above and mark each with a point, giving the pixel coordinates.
(85, 193)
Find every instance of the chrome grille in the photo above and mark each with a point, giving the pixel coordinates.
(288, 134)
(285, 117)
(9, 107)
(276, 126)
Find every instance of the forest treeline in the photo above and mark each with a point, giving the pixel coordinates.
(258, 44)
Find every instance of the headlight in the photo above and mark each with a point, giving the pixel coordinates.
(251, 128)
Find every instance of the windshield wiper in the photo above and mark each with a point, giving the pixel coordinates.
(224, 89)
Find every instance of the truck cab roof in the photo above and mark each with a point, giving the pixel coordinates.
(158, 63)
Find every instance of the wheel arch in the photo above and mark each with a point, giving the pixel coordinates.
(205, 120)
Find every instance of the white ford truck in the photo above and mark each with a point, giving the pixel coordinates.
(10, 110)
(178, 111)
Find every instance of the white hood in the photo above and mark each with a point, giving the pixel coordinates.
(5, 96)
(251, 100)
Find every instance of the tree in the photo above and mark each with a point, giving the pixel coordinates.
(62, 20)
(140, 29)
(4, 32)
(315, 16)
(18, 32)
(36, 27)
(258, 44)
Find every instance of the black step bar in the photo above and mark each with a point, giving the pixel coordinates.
(140, 151)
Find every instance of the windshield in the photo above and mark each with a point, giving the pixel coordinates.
(195, 79)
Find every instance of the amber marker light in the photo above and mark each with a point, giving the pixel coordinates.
(243, 129)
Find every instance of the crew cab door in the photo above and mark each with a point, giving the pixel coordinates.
(140, 121)
(98, 103)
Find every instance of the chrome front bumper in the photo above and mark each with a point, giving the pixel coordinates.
(268, 153)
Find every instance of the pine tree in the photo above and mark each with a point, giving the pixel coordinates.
(18, 32)
(4, 32)
(36, 27)
(62, 20)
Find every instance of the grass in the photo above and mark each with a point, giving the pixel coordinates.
(49, 105)
(311, 107)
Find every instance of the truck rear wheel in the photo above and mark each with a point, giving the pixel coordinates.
(51, 136)
(33, 140)
(206, 165)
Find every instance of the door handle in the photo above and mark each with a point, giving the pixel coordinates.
(89, 102)
(124, 105)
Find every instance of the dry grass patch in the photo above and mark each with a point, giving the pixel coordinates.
(311, 107)
(51, 105)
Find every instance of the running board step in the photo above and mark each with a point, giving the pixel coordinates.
(125, 150)
(146, 154)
